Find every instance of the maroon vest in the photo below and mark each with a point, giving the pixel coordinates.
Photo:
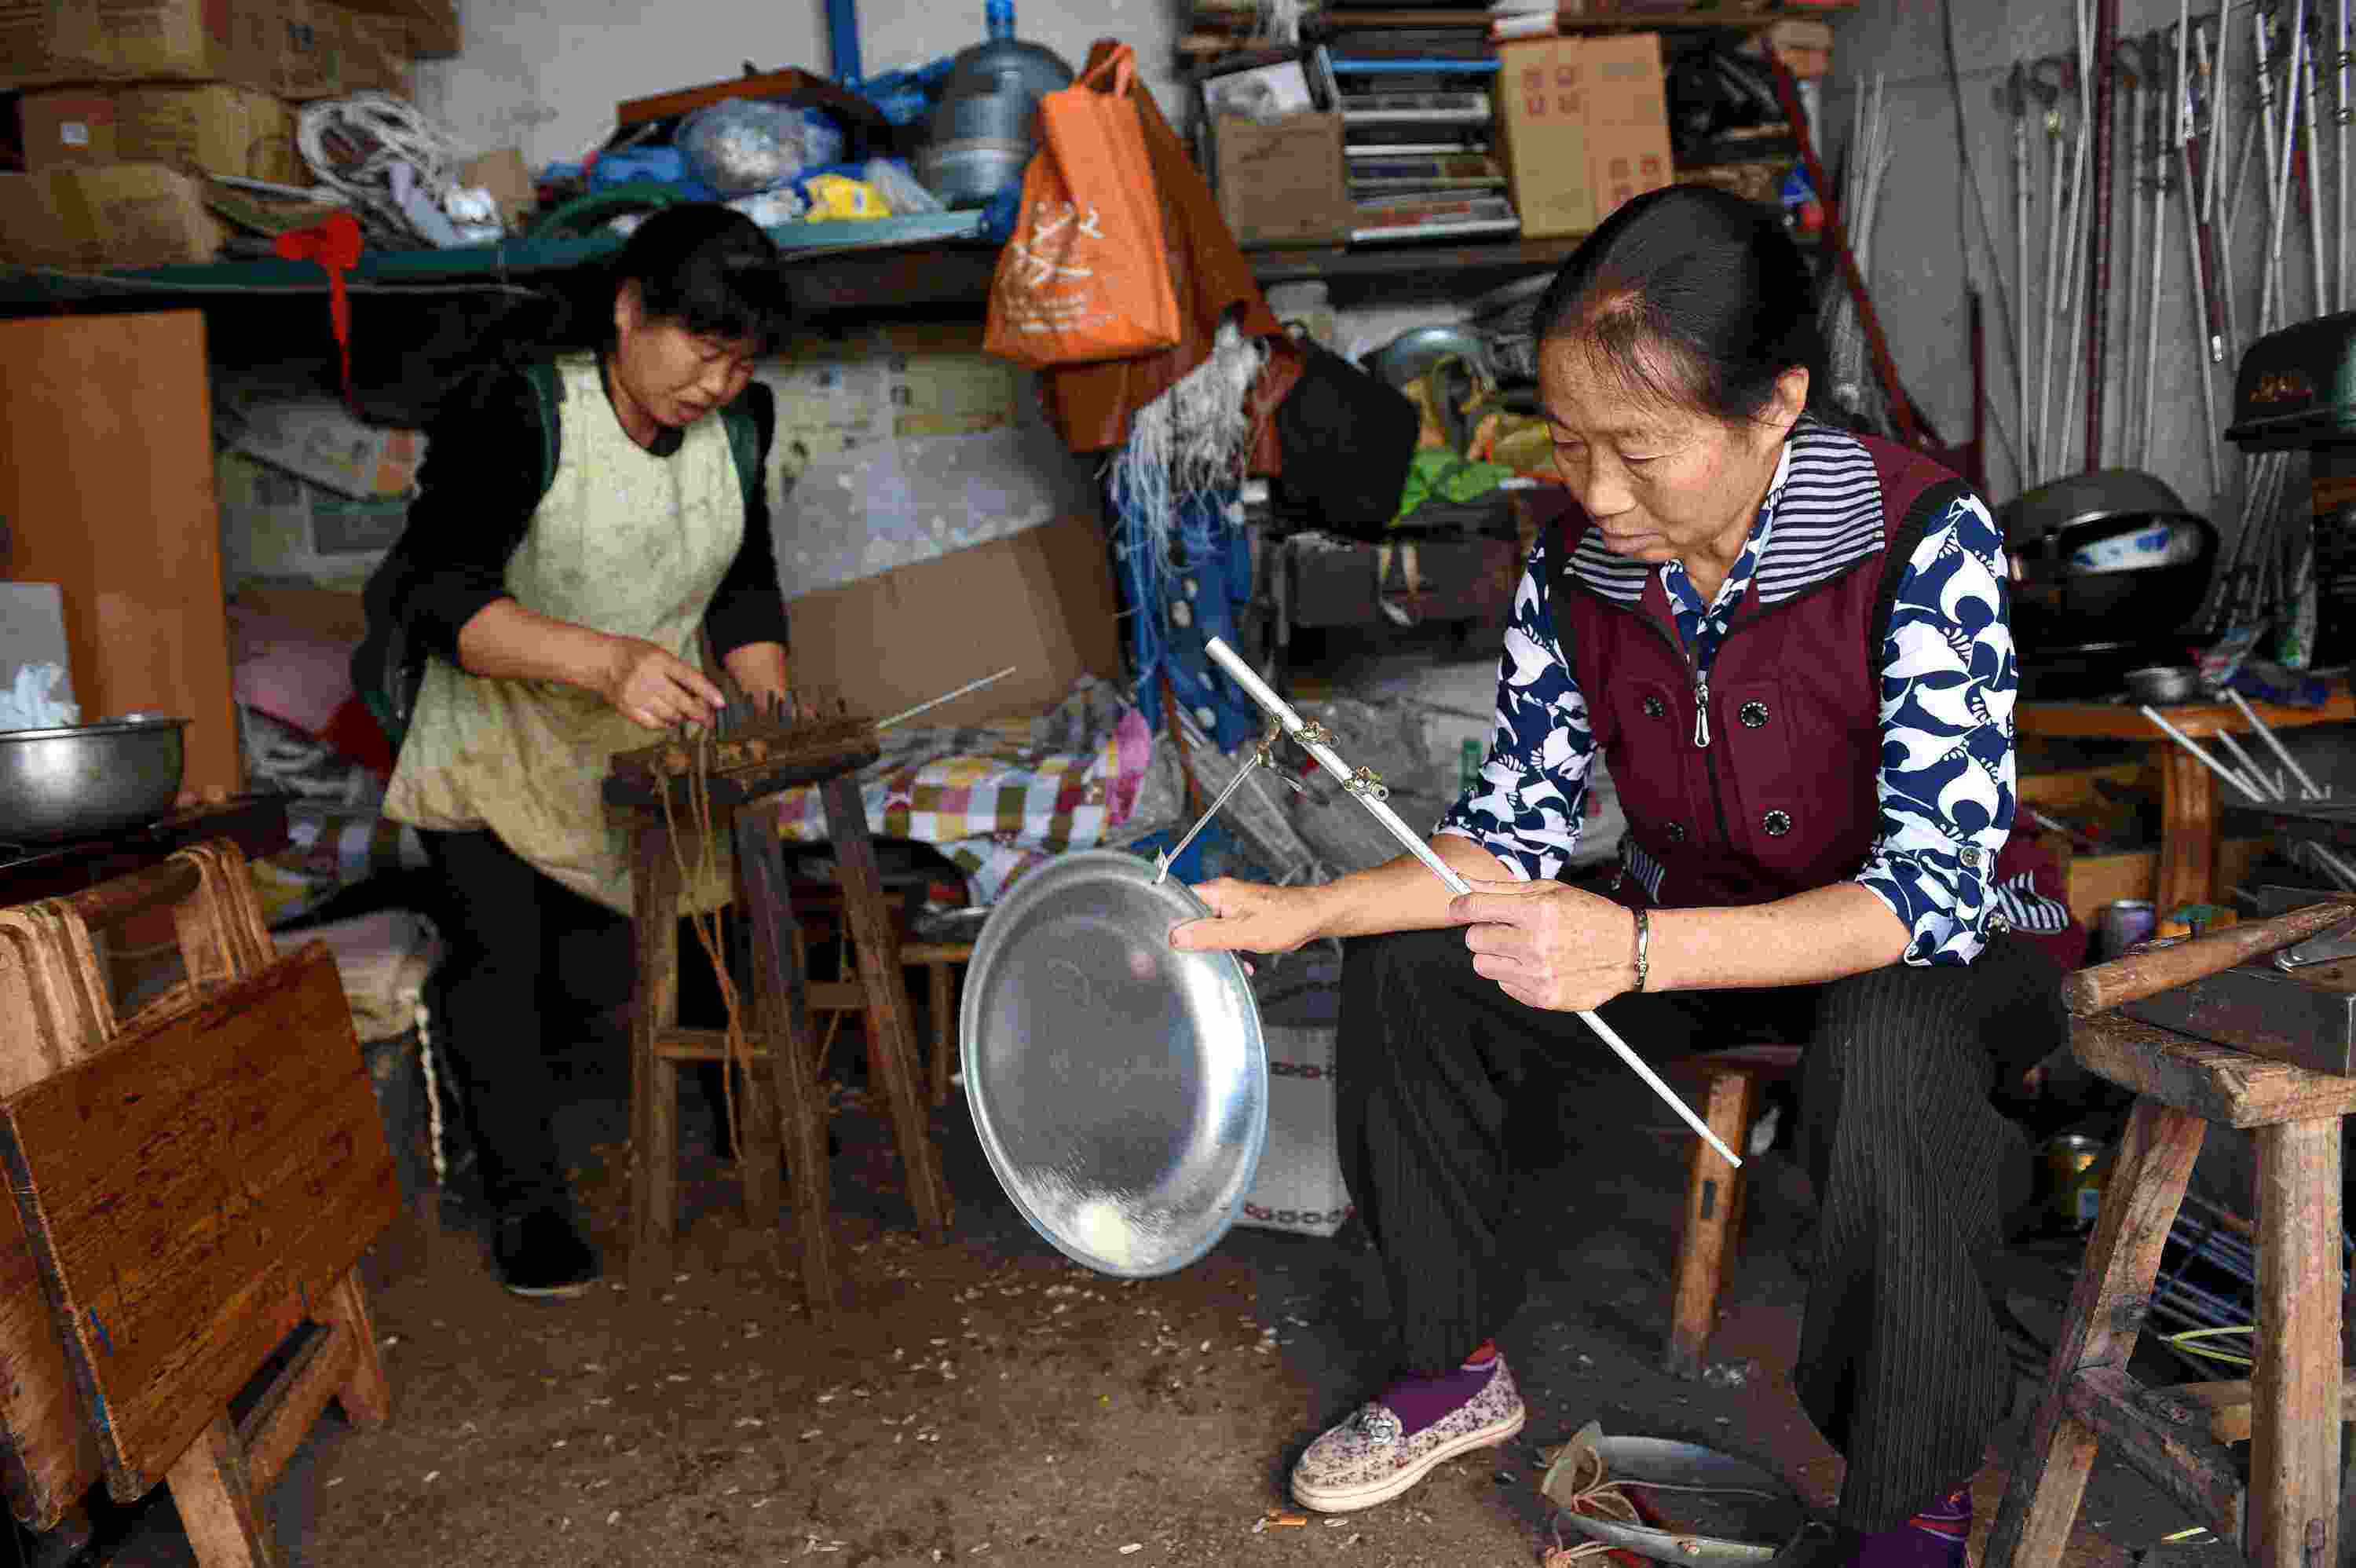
(1781, 797)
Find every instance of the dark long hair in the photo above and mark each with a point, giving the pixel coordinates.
(711, 269)
(1696, 296)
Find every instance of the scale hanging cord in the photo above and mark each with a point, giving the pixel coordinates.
(1370, 792)
(1263, 755)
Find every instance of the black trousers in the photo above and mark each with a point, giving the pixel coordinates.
(1447, 1094)
(527, 965)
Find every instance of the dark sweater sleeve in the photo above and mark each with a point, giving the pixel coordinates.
(477, 490)
(749, 606)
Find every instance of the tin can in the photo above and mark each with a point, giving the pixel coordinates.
(2073, 1181)
(2124, 923)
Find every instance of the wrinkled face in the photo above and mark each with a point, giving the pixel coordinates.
(1660, 481)
(672, 374)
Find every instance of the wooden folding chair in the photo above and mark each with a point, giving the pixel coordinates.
(192, 1188)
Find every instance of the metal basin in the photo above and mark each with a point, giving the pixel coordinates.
(1119, 1086)
(88, 779)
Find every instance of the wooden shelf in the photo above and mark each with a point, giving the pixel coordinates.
(1206, 41)
(1413, 269)
(1590, 22)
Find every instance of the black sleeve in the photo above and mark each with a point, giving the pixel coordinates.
(749, 606)
(477, 492)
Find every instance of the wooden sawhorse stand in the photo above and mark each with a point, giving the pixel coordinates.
(2290, 1516)
(779, 1024)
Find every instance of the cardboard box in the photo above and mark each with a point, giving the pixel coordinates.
(111, 214)
(431, 24)
(1585, 123)
(508, 179)
(209, 127)
(371, 51)
(46, 42)
(68, 129)
(306, 51)
(1620, 80)
(1281, 182)
(894, 641)
(218, 129)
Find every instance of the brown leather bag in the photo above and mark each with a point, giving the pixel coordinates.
(1091, 405)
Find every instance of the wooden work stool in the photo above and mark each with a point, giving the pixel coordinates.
(1731, 1081)
(196, 1185)
(741, 805)
(2290, 1408)
(940, 961)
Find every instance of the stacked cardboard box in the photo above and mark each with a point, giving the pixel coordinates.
(127, 107)
(1587, 127)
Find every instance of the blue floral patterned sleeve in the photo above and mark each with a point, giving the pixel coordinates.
(1532, 796)
(1945, 786)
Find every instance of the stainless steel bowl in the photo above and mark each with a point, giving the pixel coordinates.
(2162, 685)
(89, 778)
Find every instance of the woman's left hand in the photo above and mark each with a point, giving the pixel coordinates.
(759, 670)
(1548, 946)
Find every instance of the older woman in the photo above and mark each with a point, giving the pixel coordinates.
(1791, 646)
(584, 528)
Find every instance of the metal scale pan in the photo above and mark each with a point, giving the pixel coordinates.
(1119, 1086)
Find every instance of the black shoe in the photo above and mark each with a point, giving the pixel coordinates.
(540, 1253)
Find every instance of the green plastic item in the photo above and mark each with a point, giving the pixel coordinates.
(1442, 475)
(586, 214)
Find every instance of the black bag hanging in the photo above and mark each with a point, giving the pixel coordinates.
(1345, 439)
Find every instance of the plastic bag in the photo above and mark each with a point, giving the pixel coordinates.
(1086, 275)
(740, 146)
(900, 187)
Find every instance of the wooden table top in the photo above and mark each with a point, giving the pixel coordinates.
(2121, 721)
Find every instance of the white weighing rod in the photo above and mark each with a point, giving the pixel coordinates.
(1260, 691)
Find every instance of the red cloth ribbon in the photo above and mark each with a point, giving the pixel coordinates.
(336, 246)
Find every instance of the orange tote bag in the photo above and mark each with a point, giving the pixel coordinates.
(1086, 275)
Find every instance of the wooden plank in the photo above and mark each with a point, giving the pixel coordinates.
(1713, 1210)
(2188, 830)
(2165, 1441)
(189, 1192)
(2107, 1311)
(2110, 721)
(941, 1000)
(106, 479)
(2295, 1385)
(654, 1079)
(2132, 977)
(788, 85)
(2228, 1403)
(892, 1044)
(756, 1109)
(365, 1393)
(109, 903)
(779, 986)
(274, 1428)
(219, 1506)
(2215, 1083)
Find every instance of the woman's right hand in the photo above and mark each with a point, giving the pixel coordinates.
(1249, 917)
(651, 687)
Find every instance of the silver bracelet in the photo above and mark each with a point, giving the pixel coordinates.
(1643, 946)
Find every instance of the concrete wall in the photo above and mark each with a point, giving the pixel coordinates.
(1922, 257)
(545, 75)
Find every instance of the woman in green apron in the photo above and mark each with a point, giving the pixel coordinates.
(584, 529)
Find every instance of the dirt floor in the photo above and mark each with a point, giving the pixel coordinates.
(988, 1401)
